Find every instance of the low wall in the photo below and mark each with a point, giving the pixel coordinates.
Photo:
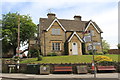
(23, 67)
(114, 51)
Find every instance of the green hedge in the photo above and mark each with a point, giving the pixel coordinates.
(52, 54)
(107, 63)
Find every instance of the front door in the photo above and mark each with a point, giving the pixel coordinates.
(74, 48)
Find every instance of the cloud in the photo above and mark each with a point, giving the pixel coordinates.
(61, 0)
(119, 22)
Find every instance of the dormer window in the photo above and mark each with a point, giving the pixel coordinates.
(55, 31)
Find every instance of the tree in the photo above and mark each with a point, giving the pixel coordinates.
(106, 46)
(10, 28)
(118, 45)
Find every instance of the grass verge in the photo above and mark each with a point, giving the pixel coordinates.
(67, 59)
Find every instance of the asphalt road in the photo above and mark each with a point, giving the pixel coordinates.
(100, 76)
(66, 79)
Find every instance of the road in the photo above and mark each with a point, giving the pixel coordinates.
(17, 76)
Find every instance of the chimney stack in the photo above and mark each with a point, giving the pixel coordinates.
(78, 18)
(51, 15)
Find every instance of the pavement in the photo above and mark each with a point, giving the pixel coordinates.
(20, 76)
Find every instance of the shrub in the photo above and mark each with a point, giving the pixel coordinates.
(52, 54)
(90, 52)
(99, 53)
(16, 57)
(39, 58)
(87, 53)
(105, 51)
(96, 53)
(107, 63)
(102, 58)
(118, 46)
(33, 53)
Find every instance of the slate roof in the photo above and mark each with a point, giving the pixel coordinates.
(69, 25)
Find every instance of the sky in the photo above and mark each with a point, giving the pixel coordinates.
(103, 12)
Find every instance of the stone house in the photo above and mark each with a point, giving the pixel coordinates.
(68, 37)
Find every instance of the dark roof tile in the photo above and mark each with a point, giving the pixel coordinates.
(69, 25)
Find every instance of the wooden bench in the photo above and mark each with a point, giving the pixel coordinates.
(106, 68)
(63, 68)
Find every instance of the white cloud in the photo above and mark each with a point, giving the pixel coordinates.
(61, 1)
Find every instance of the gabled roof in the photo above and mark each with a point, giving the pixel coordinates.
(76, 35)
(55, 20)
(68, 25)
(94, 25)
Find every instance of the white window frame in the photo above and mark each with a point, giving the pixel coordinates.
(56, 46)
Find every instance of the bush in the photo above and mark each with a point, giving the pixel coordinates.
(105, 51)
(33, 53)
(39, 58)
(90, 52)
(102, 58)
(87, 53)
(52, 54)
(99, 53)
(107, 63)
(16, 57)
(96, 53)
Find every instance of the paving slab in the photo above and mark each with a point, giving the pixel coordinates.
(16, 76)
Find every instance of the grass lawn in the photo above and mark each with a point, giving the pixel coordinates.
(67, 59)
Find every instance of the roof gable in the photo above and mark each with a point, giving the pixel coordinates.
(53, 23)
(67, 25)
(76, 35)
(93, 26)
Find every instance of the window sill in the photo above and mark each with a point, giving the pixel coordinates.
(56, 50)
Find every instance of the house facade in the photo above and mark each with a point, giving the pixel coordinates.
(68, 37)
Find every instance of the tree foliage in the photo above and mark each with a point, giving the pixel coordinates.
(118, 46)
(106, 46)
(10, 28)
(0, 28)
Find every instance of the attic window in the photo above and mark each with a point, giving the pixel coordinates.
(55, 31)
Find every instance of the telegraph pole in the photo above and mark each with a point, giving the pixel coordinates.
(18, 34)
(18, 41)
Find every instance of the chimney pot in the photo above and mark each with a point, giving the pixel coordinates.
(77, 17)
(51, 15)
